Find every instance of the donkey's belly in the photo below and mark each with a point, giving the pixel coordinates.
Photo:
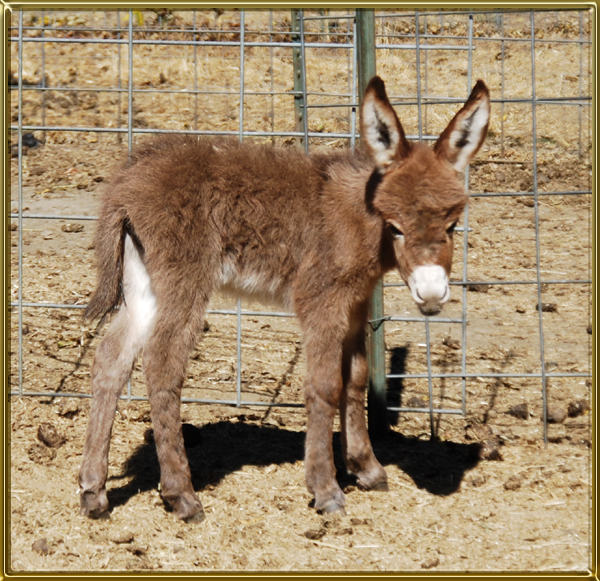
(265, 287)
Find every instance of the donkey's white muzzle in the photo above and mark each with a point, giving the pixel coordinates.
(430, 288)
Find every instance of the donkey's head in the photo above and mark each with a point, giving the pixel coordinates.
(420, 194)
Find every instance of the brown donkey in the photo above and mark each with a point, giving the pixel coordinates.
(187, 216)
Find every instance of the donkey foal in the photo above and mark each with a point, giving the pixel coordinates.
(313, 233)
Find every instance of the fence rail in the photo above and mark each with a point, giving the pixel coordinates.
(307, 94)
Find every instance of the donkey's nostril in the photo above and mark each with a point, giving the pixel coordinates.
(446, 296)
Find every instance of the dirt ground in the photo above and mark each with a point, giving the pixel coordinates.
(484, 495)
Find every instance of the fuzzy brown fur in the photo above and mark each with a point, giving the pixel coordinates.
(311, 232)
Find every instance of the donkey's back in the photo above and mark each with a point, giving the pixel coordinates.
(240, 216)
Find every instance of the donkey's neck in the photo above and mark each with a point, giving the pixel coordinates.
(354, 226)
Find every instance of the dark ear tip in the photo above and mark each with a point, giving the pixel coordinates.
(376, 84)
(480, 88)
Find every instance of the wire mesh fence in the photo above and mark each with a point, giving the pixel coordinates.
(86, 86)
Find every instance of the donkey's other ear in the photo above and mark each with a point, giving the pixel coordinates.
(466, 133)
(380, 127)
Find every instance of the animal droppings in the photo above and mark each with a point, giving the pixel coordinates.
(477, 480)
(72, 227)
(555, 414)
(489, 450)
(513, 483)
(478, 288)
(430, 563)
(68, 408)
(39, 453)
(416, 402)
(49, 435)
(578, 408)
(519, 411)
(40, 546)
(123, 538)
(315, 534)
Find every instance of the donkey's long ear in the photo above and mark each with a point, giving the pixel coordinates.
(466, 133)
(380, 127)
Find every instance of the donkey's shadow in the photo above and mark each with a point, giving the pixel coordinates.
(221, 448)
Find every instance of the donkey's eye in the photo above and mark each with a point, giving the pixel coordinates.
(452, 228)
(396, 232)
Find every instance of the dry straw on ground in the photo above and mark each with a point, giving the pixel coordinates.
(487, 496)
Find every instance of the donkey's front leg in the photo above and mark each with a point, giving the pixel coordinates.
(356, 445)
(322, 390)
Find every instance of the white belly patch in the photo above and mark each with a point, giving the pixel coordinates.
(253, 285)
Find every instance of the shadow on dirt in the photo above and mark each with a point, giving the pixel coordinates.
(395, 385)
(220, 448)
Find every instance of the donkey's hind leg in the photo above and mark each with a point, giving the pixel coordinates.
(112, 367)
(179, 320)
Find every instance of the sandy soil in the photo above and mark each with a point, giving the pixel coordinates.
(485, 494)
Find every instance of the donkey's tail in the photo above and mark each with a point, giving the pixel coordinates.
(110, 236)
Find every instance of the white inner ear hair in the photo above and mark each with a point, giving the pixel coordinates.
(381, 132)
(465, 138)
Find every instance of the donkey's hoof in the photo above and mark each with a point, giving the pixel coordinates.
(195, 518)
(94, 505)
(332, 507)
(380, 487)
(331, 502)
(98, 515)
(373, 480)
(185, 506)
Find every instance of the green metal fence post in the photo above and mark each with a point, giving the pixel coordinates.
(297, 66)
(377, 398)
